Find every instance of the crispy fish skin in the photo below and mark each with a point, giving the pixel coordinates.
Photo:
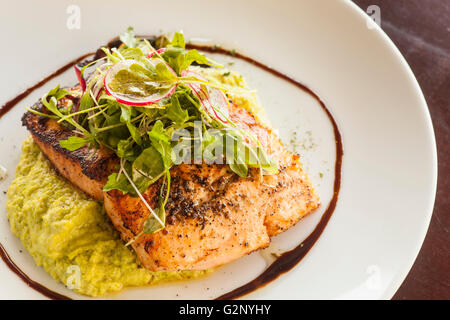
(213, 216)
(88, 169)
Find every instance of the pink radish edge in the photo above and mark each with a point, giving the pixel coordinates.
(196, 88)
(225, 103)
(81, 80)
(159, 51)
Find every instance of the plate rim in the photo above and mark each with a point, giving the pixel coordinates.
(395, 284)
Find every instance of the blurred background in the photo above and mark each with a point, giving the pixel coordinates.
(421, 30)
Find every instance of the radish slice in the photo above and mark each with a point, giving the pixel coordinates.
(135, 95)
(159, 51)
(89, 69)
(98, 85)
(97, 88)
(81, 80)
(211, 100)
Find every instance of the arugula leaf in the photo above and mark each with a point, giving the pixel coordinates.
(178, 40)
(163, 73)
(58, 93)
(195, 56)
(73, 143)
(125, 150)
(52, 104)
(161, 142)
(162, 41)
(86, 101)
(126, 118)
(235, 154)
(112, 57)
(131, 42)
(120, 184)
(132, 53)
(175, 113)
(158, 133)
(152, 225)
(239, 168)
(147, 168)
(180, 59)
(129, 38)
(135, 134)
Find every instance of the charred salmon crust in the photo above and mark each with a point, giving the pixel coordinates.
(86, 168)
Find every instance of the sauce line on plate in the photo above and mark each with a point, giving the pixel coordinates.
(31, 283)
(11, 103)
(291, 258)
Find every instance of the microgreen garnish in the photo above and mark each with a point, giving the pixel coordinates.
(153, 112)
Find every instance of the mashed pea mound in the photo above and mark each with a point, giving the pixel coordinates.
(61, 228)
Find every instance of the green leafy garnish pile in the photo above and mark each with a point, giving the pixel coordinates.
(139, 102)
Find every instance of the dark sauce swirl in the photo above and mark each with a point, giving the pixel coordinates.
(11, 103)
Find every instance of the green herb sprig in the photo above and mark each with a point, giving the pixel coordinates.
(145, 136)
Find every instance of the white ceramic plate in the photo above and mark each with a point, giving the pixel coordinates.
(389, 166)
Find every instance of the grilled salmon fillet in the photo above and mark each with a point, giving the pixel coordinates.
(213, 216)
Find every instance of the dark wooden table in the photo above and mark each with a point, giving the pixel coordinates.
(421, 30)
